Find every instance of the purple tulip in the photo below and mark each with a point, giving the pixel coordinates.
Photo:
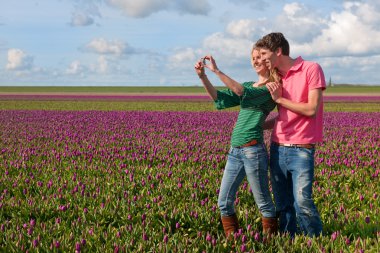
(166, 239)
(257, 236)
(208, 237)
(77, 247)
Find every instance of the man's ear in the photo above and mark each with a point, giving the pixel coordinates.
(278, 51)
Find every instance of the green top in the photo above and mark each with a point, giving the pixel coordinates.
(255, 105)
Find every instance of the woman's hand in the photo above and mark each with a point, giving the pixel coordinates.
(212, 63)
(199, 68)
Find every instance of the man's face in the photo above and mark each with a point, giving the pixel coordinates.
(268, 57)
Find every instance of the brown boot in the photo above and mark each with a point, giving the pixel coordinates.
(270, 226)
(230, 224)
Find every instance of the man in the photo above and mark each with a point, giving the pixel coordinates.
(296, 130)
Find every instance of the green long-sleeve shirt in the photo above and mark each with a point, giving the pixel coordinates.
(255, 105)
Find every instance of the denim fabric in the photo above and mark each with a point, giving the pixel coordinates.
(292, 175)
(251, 162)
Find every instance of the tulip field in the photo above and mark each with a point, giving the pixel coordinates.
(80, 174)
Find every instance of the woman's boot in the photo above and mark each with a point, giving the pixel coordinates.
(230, 224)
(270, 226)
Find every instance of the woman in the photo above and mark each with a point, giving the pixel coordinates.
(248, 155)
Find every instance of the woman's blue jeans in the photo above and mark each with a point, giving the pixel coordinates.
(251, 162)
(292, 175)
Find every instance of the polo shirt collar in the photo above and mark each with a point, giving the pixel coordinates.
(297, 64)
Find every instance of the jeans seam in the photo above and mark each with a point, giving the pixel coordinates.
(226, 200)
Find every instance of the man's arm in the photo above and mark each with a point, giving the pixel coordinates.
(308, 109)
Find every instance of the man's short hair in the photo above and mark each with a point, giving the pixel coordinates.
(273, 41)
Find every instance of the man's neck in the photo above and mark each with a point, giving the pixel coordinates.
(286, 63)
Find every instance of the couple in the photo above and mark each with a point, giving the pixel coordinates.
(296, 87)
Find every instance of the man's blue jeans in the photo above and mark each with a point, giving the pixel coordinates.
(251, 162)
(292, 175)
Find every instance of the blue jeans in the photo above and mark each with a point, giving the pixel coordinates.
(292, 175)
(251, 162)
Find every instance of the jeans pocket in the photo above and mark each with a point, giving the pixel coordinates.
(307, 152)
(251, 153)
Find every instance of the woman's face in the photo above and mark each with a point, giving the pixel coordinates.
(258, 63)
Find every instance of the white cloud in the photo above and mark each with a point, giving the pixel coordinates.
(182, 58)
(229, 53)
(102, 64)
(227, 47)
(347, 33)
(144, 8)
(85, 13)
(81, 19)
(245, 28)
(75, 68)
(355, 69)
(299, 22)
(18, 60)
(197, 7)
(94, 66)
(141, 8)
(113, 47)
(369, 12)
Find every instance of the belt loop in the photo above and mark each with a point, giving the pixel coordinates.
(248, 144)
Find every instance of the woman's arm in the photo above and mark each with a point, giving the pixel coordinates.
(222, 99)
(234, 86)
(210, 89)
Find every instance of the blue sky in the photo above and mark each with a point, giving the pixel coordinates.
(156, 42)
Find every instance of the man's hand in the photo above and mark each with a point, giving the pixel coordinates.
(275, 90)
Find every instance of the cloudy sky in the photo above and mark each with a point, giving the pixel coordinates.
(156, 42)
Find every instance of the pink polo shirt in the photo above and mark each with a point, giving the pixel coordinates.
(291, 127)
